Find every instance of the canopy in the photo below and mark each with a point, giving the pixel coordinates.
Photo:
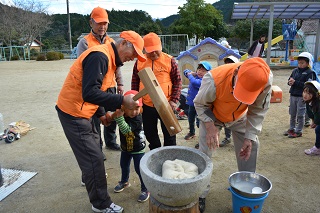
(280, 10)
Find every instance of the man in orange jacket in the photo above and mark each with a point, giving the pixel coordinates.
(99, 22)
(82, 96)
(166, 71)
(236, 96)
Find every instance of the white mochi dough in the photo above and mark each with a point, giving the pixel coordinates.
(179, 169)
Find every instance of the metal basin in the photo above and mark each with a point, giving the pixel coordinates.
(249, 184)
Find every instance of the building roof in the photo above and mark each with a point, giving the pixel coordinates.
(282, 10)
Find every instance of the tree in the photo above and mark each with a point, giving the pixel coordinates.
(23, 22)
(147, 27)
(197, 19)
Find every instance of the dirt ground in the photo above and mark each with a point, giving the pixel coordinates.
(29, 90)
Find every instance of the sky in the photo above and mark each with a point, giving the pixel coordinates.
(155, 8)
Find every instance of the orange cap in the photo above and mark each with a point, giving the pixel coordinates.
(152, 42)
(253, 75)
(137, 42)
(134, 93)
(99, 15)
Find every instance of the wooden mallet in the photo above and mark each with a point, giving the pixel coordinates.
(153, 89)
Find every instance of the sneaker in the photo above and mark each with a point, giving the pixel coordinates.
(307, 123)
(225, 142)
(115, 147)
(288, 132)
(144, 196)
(83, 184)
(181, 117)
(313, 151)
(202, 204)
(113, 208)
(104, 156)
(121, 186)
(295, 135)
(189, 136)
(196, 146)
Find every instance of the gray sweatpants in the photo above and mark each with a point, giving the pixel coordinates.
(297, 111)
(238, 132)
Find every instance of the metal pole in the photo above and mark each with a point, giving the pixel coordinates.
(251, 33)
(270, 34)
(316, 49)
(69, 27)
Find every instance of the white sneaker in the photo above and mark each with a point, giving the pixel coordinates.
(83, 184)
(113, 208)
(313, 151)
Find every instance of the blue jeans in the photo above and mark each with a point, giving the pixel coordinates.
(125, 160)
(192, 116)
(227, 132)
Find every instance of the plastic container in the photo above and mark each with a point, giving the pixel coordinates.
(242, 204)
(1, 125)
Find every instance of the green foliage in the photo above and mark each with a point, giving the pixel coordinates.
(147, 27)
(61, 56)
(226, 8)
(198, 19)
(41, 57)
(14, 58)
(52, 56)
(125, 20)
(260, 27)
(166, 22)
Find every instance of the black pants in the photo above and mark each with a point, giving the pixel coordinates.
(109, 134)
(150, 118)
(85, 144)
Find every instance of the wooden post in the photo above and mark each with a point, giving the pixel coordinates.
(153, 89)
(157, 207)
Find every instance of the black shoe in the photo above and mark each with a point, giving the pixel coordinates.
(225, 142)
(202, 204)
(104, 156)
(115, 147)
(196, 146)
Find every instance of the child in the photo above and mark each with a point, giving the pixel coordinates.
(195, 79)
(227, 132)
(311, 97)
(297, 107)
(132, 143)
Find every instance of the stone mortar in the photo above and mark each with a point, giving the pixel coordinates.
(173, 192)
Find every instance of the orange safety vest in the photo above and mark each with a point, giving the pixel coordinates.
(161, 69)
(70, 98)
(92, 41)
(225, 107)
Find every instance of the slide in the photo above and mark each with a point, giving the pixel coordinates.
(273, 41)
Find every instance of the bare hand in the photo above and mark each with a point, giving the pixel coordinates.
(212, 136)
(118, 113)
(106, 119)
(173, 105)
(120, 90)
(245, 151)
(291, 81)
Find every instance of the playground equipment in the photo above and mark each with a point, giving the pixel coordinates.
(22, 52)
(209, 50)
